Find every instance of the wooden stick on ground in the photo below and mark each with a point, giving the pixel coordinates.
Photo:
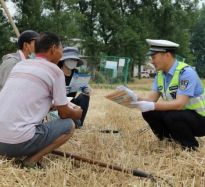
(134, 172)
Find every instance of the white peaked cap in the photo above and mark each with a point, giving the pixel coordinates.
(160, 46)
(162, 43)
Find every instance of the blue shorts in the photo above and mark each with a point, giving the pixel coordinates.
(45, 134)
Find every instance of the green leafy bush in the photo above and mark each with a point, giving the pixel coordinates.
(99, 77)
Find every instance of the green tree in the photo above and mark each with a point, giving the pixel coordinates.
(48, 15)
(174, 22)
(6, 32)
(198, 43)
(112, 27)
(29, 14)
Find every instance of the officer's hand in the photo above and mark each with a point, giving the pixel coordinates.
(143, 106)
(129, 92)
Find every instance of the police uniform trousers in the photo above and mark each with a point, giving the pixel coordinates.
(180, 125)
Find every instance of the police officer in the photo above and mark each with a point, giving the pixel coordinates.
(181, 114)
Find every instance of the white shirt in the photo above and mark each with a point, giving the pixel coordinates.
(27, 96)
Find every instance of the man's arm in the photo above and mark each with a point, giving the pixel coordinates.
(153, 96)
(66, 111)
(176, 104)
(188, 83)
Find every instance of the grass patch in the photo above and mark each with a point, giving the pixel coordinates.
(130, 148)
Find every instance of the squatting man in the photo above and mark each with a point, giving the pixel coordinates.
(180, 115)
(32, 86)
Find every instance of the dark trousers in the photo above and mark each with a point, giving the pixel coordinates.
(81, 100)
(181, 125)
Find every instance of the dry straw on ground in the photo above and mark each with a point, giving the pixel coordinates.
(130, 148)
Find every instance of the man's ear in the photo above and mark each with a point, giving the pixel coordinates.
(25, 46)
(169, 54)
(53, 49)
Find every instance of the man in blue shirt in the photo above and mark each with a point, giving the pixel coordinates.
(181, 114)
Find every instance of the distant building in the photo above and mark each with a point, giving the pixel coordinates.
(148, 67)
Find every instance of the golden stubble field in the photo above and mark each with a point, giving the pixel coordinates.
(131, 148)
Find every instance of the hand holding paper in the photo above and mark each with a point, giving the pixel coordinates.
(123, 96)
(143, 106)
(129, 92)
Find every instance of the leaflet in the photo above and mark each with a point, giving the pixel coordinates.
(120, 97)
(78, 81)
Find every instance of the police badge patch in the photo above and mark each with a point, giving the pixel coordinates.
(183, 84)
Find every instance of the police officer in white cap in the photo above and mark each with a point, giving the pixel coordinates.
(180, 116)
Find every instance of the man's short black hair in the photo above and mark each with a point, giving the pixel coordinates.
(172, 52)
(46, 41)
(26, 36)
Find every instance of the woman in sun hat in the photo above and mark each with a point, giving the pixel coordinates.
(69, 63)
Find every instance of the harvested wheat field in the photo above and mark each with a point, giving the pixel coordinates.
(133, 147)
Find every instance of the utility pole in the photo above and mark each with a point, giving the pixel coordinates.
(10, 18)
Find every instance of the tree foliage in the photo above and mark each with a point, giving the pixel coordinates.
(6, 33)
(114, 27)
(198, 43)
